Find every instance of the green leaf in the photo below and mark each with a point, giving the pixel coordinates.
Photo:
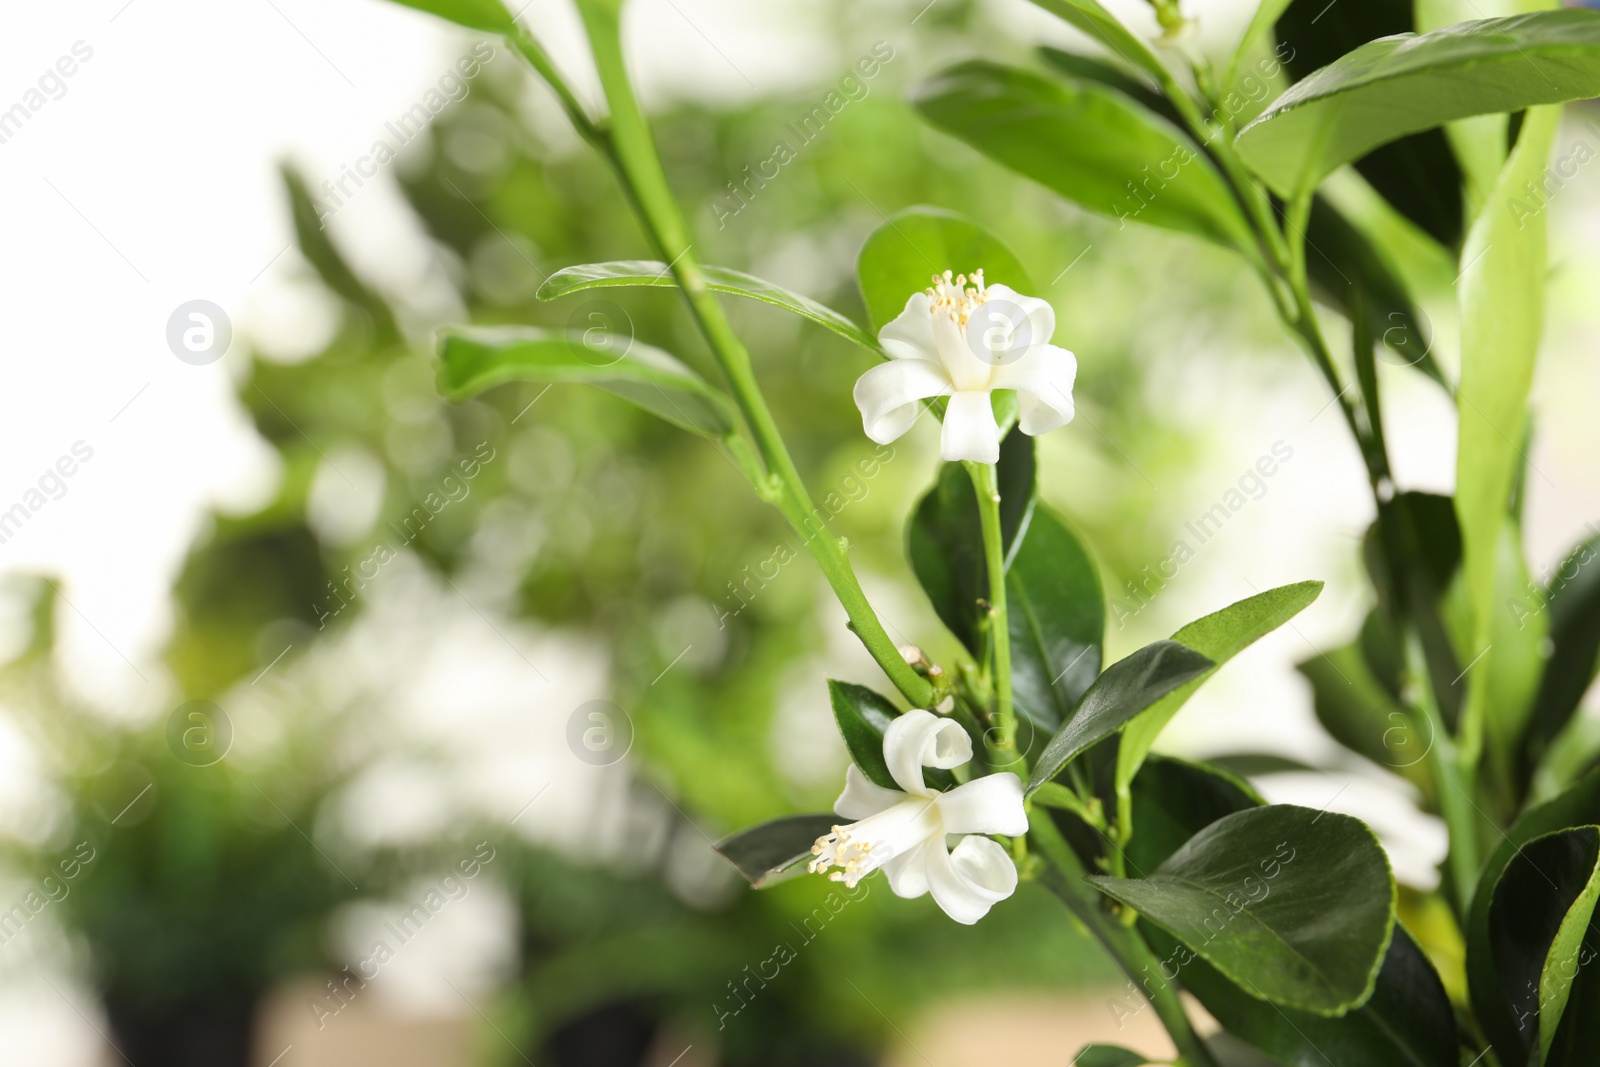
(1218, 637)
(1502, 317)
(1103, 28)
(1087, 68)
(645, 272)
(1259, 30)
(490, 16)
(1175, 799)
(763, 853)
(1360, 714)
(315, 243)
(1579, 805)
(476, 358)
(1407, 1022)
(1515, 660)
(863, 716)
(945, 538)
(1294, 905)
(1538, 919)
(1398, 85)
(1572, 601)
(1056, 616)
(1106, 1056)
(1127, 688)
(1260, 764)
(1417, 174)
(1087, 143)
(901, 257)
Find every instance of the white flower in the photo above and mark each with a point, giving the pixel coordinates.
(904, 833)
(966, 341)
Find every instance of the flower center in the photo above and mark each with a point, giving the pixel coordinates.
(953, 296)
(862, 847)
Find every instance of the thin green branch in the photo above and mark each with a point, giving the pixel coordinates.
(985, 484)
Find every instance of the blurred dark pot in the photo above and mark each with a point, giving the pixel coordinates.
(211, 1031)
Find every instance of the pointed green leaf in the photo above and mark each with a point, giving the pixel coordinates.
(1399, 85)
(764, 853)
(490, 16)
(901, 257)
(1218, 637)
(1089, 144)
(1294, 905)
(1127, 687)
(1103, 28)
(475, 358)
(645, 272)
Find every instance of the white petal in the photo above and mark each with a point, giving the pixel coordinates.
(888, 393)
(910, 334)
(1041, 316)
(863, 797)
(988, 805)
(966, 883)
(921, 739)
(1043, 380)
(908, 873)
(970, 431)
(966, 370)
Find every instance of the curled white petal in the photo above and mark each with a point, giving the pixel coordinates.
(862, 797)
(970, 432)
(907, 874)
(921, 739)
(1041, 316)
(988, 805)
(1043, 378)
(888, 393)
(969, 881)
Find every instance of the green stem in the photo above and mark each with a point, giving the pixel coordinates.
(1063, 875)
(626, 143)
(1452, 781)
(986, 485)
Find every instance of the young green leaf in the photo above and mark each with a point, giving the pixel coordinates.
(643, 272)
(1103, 28)
(764, 853)
(1398, 85)
(1295, 905)
(1056, 616)
(489, 16)
(1217, 637)
(475, 358)
(1127, 687)
(1090, 144)
(902, 256)
(1502, 318)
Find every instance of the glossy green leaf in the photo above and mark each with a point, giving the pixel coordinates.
(764, 853)
(1175, 799)
(945, 538)
(901, 257)
(1260, 764)
(1579, 805)
(1416, 174)
(1219, 637)
(489, 16)
(1127, 688)
(477, 358)
(1056, 614)
(1103, 28)
(1407, 1022)
(1294, 905)
(1572, 601)
(1086, 143)
(1106, 1056)
(1540, 913)
(1421, 529)
(1087, 68)
(862, 717)
(1398, 85)
(1502, 318)
(644, 272)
